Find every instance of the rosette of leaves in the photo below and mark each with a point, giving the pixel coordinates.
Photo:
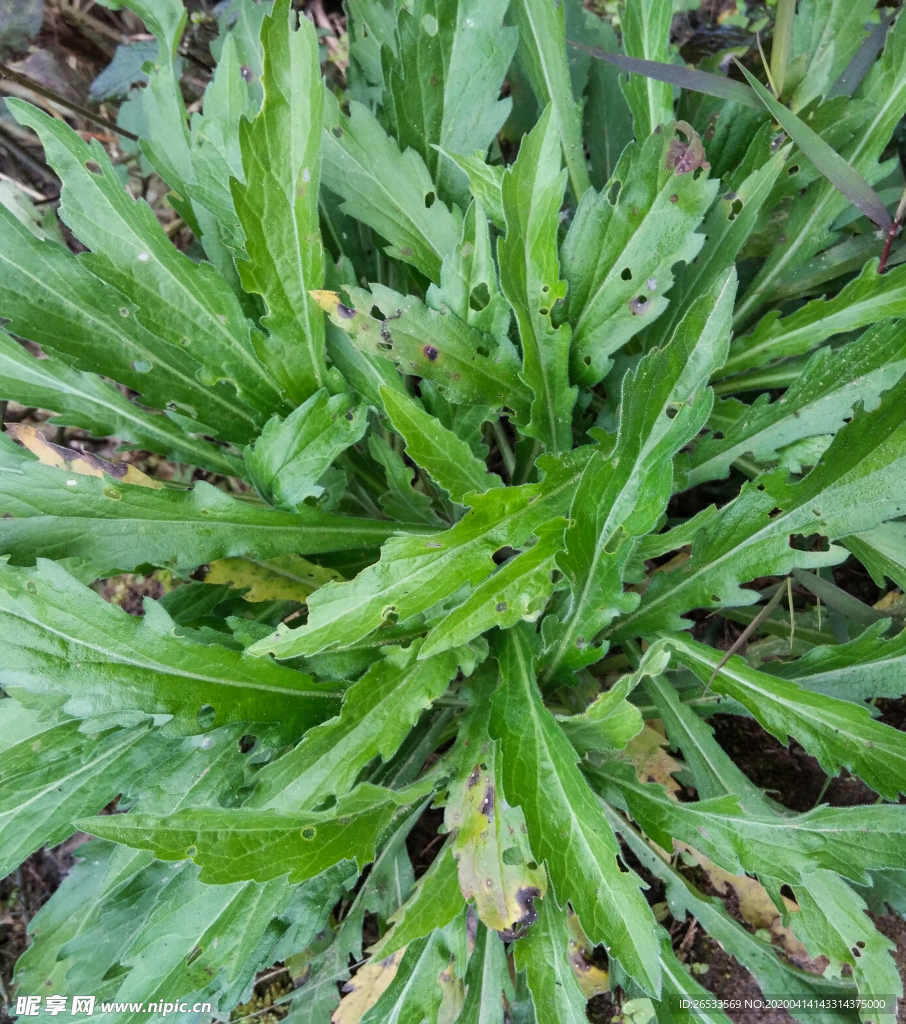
(502, 411)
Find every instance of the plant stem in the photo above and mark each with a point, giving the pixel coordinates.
(506, 451)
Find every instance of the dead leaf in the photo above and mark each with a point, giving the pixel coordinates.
(366, 987)
(755, 905)
(79, 463)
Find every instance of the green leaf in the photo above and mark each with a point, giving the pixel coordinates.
(432, 446)
(131, 252)
(623, 243)
(865, 300)
(519, 589)
(465, 365)
(772, 973)
(827, 35)
(62, 918)
(445, 80)
(401, 500)
(541, 54)
(487, 980)
(610, 721)
(496, 869)
(542, 954)
(118, 526)
(434, 903)
(856, 485)
(291, 455)
(415, 994)
(846, 840)
(277, 204)
(390, 191)
(621, 496)
(415, 573)
(713, 770)
(51, 298)
(833, 923)
(530, 278)
(834, 167)
(485, 183)
(61, 638)
(468, 278)
(646, 36)
(820, 401)
(607, 121)
(837, 732)
(565, 826)
(234, 845)
(84, 401)
(51, 773)
(882, 551)
(159, 107)
(810, 227)
(727, 227)
(867, 667)
(378, 712)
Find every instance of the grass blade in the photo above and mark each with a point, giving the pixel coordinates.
(839, 173)
(685, 78)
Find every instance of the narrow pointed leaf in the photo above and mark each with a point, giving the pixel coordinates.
(858, 482)
(565, 826)
(646, 36)
(233, 845)
(61, 638)
(836, 732)
(621, 496)
(530, 279)
(414, 573)
(51, 298)
(542, 56)
(175, 298)
(82, 400)
(819, 402)
(432, 446)
(386, 189)
(118, 526)
(277, 204)
(623, 243)
(542, 954)
(378, 712)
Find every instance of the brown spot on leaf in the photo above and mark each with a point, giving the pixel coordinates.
(345, 311)
(487, 805)
(430, 352)
(474, 777)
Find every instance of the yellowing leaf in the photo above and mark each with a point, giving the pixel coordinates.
(592, 980)
(364, 990)
(496, 867)
(454, 995)
(289, 578)
(80, 463)
(647, 753)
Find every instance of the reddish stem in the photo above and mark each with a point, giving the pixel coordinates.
(891, 234)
